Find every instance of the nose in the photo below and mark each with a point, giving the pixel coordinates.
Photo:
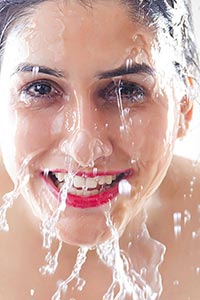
(89, 141)
(86, 148)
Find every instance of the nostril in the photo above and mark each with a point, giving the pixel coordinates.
(85, 148)
(101, 148)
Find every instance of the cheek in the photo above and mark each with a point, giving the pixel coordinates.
(147, 134)
(29, 133)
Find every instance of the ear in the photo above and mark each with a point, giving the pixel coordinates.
(186, 112)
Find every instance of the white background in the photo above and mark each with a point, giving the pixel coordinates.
(190, 145)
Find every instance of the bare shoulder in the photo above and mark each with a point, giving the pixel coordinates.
(183, 177)
(175, 222)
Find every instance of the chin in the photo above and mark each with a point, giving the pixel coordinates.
(88, 227)
(82, 232)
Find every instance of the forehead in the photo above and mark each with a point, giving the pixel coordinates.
(66, 33)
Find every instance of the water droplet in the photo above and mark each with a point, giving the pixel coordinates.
(46, 172)
(129, 63)
(124, 187)
(126, 111)
(133, 161)
(35, 70)
(176, 282)
(94, 171)
(177, 223)
(177, 217)
(194, 235)
(198, 270)
(177, 230)
(122, 128)
(187, 216)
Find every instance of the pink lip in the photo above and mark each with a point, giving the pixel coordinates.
(88, 201)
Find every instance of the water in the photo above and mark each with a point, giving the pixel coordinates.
(125, 187)
(127, 282)
(177, 218)
(122, 114)
(52, 261)
(49, 231)
(75, 275)
(9, 198)
(187, 216)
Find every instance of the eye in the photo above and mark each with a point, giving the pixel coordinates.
(127, 91)
(130, 92)
(40, 91)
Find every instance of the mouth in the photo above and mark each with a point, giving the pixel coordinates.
(85, 190)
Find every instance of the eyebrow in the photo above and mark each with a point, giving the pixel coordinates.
(123, 70)
(134, 68)
(23, 67)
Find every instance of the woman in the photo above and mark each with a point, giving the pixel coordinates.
(93, 97)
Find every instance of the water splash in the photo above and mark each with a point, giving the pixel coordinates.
(48, 224)
(9, 198)
(75, 275)
(50, 233)
(52, 261)
(127, 282)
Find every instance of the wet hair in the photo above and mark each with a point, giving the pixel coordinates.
(149, 12)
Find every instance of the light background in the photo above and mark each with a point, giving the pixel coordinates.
(190, 145)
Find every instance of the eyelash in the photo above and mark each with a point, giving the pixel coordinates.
(48, 89)
(129, 92)
(126, 91)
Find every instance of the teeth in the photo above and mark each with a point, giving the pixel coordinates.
(79, 182)
(101, 180)
(86, 193)
(108, 179)
(83, 192)
(60, 176)
(78, 192)
(91, 183)
(73, 191)
(80, 185)
(94, 192)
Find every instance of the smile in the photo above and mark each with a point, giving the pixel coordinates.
(85, 190)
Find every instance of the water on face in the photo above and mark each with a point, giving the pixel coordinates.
(133, 278)
(128, 282)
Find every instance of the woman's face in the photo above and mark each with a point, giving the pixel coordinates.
(82, 94)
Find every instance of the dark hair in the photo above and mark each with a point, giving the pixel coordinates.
(148, 12)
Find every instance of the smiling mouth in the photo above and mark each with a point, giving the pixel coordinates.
(85, 190)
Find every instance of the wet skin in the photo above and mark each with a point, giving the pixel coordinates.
(65, 116)
(74, 121)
